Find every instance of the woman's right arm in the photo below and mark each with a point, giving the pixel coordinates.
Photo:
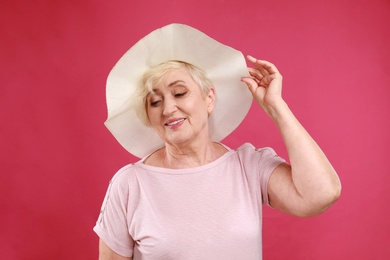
(105, 253)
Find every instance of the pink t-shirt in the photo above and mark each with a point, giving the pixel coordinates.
(208, 212)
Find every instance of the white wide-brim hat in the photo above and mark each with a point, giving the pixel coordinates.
(223, 65)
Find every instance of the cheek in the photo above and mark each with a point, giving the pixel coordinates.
(201, 110)
(152, 116)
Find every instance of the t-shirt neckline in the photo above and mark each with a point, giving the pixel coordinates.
(200, 168)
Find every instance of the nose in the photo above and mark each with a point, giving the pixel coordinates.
(169, 107)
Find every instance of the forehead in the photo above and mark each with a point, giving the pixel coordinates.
(173, 74)
(175, 77)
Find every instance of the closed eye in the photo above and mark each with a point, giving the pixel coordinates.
(155, 103)
(180, 94)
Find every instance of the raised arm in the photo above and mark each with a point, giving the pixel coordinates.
(309, 184)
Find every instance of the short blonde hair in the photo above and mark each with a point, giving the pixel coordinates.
(156, 74)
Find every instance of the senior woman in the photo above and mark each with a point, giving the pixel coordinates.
(190, 196)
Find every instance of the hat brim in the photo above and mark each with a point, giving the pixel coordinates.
(223, 65)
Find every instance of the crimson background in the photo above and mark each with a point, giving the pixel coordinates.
(57, 157)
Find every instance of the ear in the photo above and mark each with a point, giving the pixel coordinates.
(211, 98)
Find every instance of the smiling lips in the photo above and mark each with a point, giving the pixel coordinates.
(175, 123)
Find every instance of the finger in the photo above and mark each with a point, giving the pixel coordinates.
(259, 64)
(255, 73)
(267, 80)
(264, 66)
(259, 78)
(268, 66)
(254, 61)
(251, 83)
(253, 86)
(251, 59)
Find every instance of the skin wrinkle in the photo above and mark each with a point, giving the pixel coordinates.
(189, 144)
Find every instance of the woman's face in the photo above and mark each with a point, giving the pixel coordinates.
(177, 110)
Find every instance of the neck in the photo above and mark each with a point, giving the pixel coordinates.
(188, 156)
(178, 157)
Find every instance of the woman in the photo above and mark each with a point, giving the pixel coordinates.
(193, 197)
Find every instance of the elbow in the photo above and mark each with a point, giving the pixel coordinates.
(330, 199)
(318, 205)
(327, 201)
(337, 192)
(329, 194)
(333, 192)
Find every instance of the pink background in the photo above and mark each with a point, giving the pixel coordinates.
(57, 157)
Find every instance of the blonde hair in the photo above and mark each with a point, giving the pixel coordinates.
(156, 74)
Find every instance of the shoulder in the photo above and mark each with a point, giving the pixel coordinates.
(125, 180)
(258, 159)
(247, 149)
(123, 174)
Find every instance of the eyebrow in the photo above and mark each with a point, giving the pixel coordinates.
(175, 83)
(171, 84)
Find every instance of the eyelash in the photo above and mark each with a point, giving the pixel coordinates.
(177, 95)
(154, 103)
(180, 94)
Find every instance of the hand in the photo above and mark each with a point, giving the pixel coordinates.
(265, 84)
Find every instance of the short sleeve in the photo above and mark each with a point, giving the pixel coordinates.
(112, 224)
(268, 161)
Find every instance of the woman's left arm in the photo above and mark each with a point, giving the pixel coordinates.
(309, 184)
